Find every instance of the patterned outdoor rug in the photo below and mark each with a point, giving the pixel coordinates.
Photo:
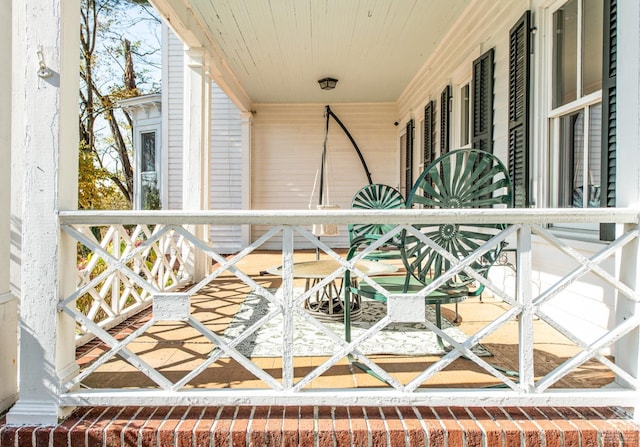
(399, 338)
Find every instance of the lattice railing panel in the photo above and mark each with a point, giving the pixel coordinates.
(150, 264)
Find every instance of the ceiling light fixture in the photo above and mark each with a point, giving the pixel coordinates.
(327, 83)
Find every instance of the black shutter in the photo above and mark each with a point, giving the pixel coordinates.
(609, 55)
(408, 167)
(519, 89)
(445, 112)
(483, 102)
(429, 141)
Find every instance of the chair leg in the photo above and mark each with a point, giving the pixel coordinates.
(456, 320)
(439, 324)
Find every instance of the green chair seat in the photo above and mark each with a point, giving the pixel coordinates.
(396, 285)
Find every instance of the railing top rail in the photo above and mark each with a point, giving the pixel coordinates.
(347, 216)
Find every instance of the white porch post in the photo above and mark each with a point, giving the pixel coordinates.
(8, 301)
(47, 136)
(196, 131)
(246, 119)
(628, 170)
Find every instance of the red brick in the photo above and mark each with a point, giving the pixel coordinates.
(415, 432)
(42, 435)
(608, 434)
(452, 428)
(492, 431)
(283, 426)
(570, 434)
(238, 432)
(131, 431)
(291, 426)
(435, 428)
(25, 436)
(359, 427)
(376, 426)
(184, 430)
(394, 426)
(96, 433)
(78, 434)
(223, 426)
(512, 434)
(530, 431)
(7, 435)
(257, 426)
(588, 435)
(273, 430)
(149, 431)
(62, 433)
(342, 427)
(202, 430)
(167, 429)
(113, 434)
(552, 434)
(472, 431)
(306, 429)
(324, 420)
(628, 430)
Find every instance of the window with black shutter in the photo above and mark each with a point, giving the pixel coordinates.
(408, 166)
(519, 98)
(429, 152)
(609, 58)
(482, 129)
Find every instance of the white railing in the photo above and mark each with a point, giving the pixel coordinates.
(116, 267)
(150, 263)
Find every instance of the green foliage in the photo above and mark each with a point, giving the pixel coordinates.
(95, 190)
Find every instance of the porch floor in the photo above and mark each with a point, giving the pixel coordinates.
(176, 348)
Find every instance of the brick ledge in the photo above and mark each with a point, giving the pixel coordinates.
(331, 426)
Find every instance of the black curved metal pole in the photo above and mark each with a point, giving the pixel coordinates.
(324, 157)
(329, 112)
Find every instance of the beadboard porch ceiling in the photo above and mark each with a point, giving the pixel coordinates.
(274, 51)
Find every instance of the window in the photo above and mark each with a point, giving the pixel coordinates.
(465, 117)
(462, 111)
(147, 178)
(406, 159)
(576, 95)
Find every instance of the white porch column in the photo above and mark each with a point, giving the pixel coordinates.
(245, 138)
(47, 137)
(196, 131)
(628, 169)
(8, 301)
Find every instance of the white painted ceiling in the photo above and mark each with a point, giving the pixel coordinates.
(278, 49)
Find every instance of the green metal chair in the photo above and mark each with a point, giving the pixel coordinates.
(376, 196)
(464, 178)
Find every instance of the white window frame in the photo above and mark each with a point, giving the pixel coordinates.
(552, 116)
(461, 77)
(137, 184)
(402, 147)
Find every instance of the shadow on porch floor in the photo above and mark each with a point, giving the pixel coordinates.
(175, 348)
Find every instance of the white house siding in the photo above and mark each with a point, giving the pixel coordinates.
(225, 179)
(586, 305)
(287, 144)
(173, 92)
